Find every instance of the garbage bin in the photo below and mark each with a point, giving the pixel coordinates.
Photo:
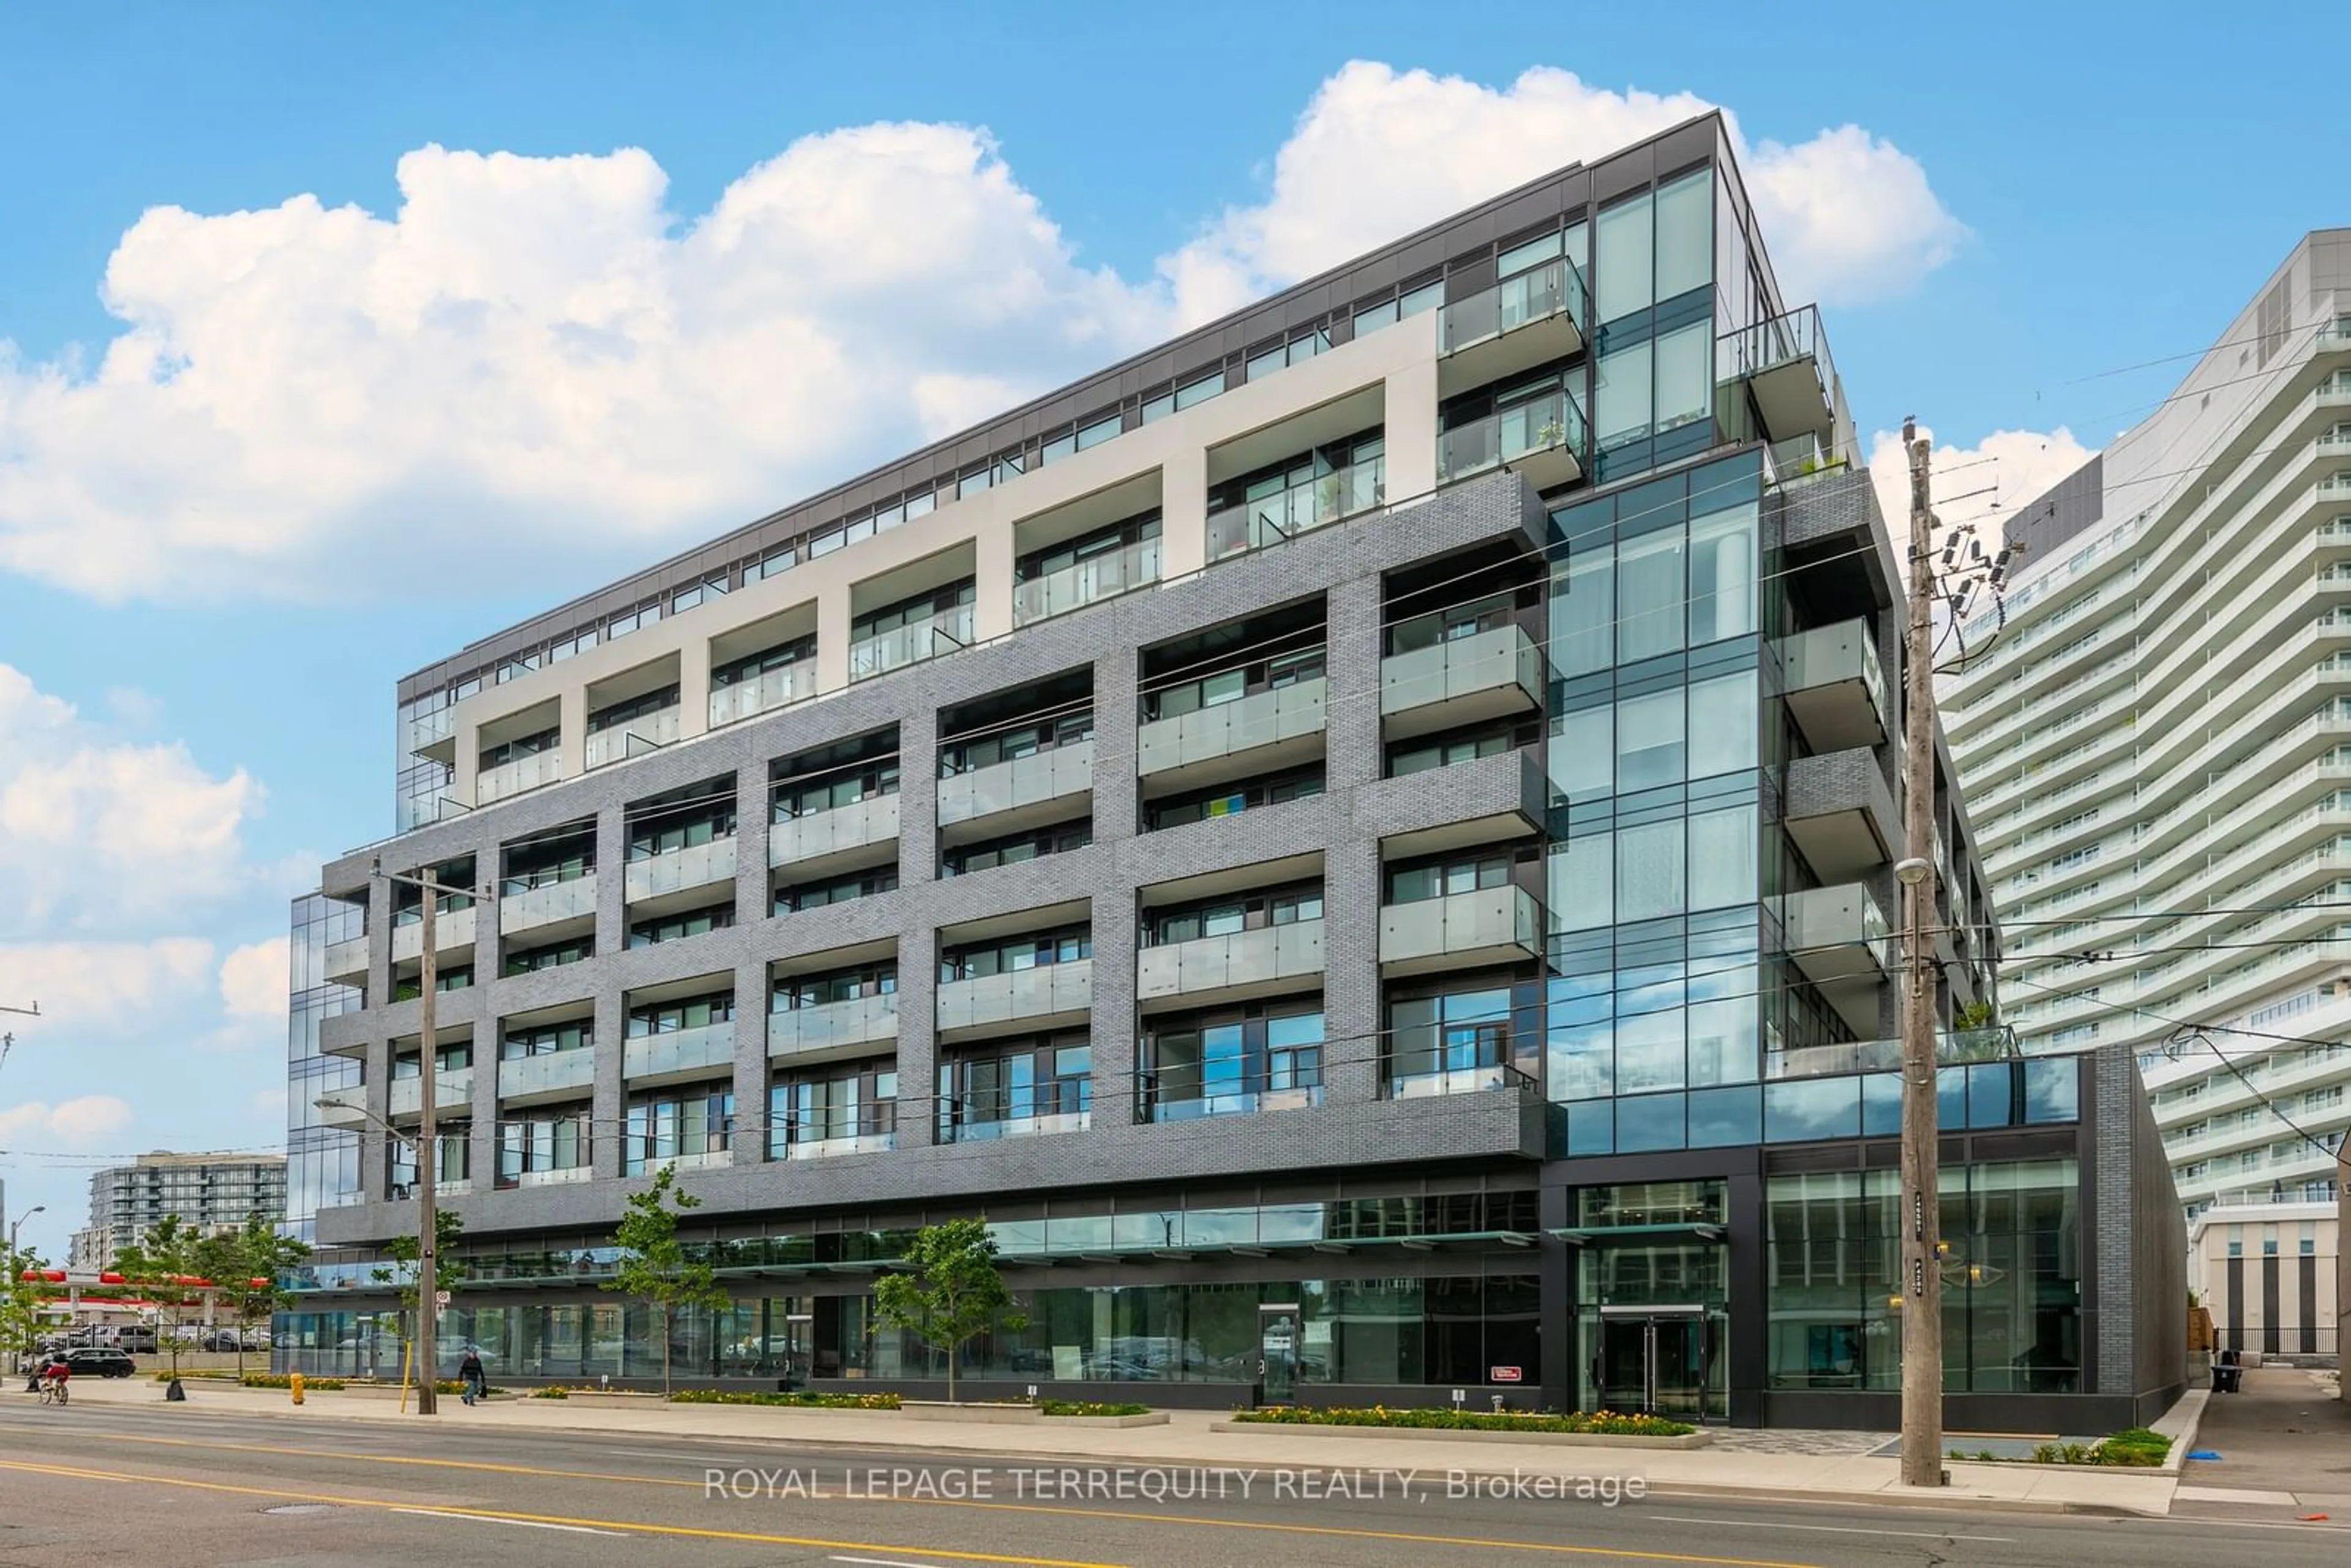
(2227, 1374)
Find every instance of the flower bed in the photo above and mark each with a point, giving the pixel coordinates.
(2133, 1448)
(798, 1401)
(1085, 1409)
(1565, 1428)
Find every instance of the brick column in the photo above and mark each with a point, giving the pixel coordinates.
(918, 976)
(750, 1145)
(608, 1109)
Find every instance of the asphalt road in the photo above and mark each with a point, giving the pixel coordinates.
(162, 1483)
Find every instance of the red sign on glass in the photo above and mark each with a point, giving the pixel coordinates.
(1503, 1375)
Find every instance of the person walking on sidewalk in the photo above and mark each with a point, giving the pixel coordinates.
(469, 1373)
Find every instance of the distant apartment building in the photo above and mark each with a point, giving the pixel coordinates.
(2157, 749)
(2266, 1272)
(209, 1192)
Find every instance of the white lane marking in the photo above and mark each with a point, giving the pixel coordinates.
(674, 1456)
(883, 1561)
(1828, 1529)
(494, 1519)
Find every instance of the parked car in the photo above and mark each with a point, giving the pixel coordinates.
(100, 1361)
(220, 1340)
(137, 1339)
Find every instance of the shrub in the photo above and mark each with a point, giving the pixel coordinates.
(1600, 1423)
(804, 1401)
(552, 1391)
(1090, 1407)
(282, 1380)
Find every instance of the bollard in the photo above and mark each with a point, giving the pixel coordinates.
(294, 1385)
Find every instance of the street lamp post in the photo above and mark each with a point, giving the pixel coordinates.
(19, 1225)
(16, 1266)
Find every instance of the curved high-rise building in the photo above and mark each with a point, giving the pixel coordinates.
(2157, 748)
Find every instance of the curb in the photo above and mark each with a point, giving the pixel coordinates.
(1905, 1499)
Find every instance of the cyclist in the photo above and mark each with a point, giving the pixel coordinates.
(54, 1377)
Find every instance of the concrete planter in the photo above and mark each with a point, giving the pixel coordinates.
(1148, 1418)
(610, 1401)
(980, 1414)
(1697, 1439)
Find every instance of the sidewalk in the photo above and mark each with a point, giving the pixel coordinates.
(1186, 1440)
(2282, 1444)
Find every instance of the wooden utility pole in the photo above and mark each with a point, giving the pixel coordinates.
(428, 1284)
(1922, 1279)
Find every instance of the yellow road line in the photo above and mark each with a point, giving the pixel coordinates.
(677, 1531)
(1338, 1531)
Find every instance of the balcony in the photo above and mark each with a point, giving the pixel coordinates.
(1264, 962)
(835, 834)
(454, 1092)
(1466, 681)
(452, 933)
(831, 1028)
(679, 870)
(1259, 733)
(552, 1075)
(762, 694)
(1087, 582)
(1303, 508)
(817, 1148)
(1009, 796)
(677, 1054)
(946, 632)
(1422, 1085)
(1522, 322)
(1838, 939)
(344, 1108)
(1486, 925)
(550, 903)
(1046, 997)
(1952, 1049)
(646, 732)
(1543, 442)
(1836, 686)
(559, 1176)
(955, 1123)
(348, 960)
(1185, 1096)
(511, 778)
(1785, 362)
(1840, 813)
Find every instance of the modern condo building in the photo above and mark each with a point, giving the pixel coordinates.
(2157, 750)
(1357, 840)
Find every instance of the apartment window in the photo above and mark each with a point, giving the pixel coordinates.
(806, 895)
(846, 1112)
(1421, 755)
(1012, 957)
(831, 791)
(1414, 884)
(546, 1040)
(1230, 1063)
(979, 1096)
(675, 927)
(691, 1124)
(529, 960)
(540, 1143)
(1141, 528)
(794, 992)
(1296, 351)
(522, 746)
(913, 609)
(1011, 743)
(1230, 916)
(450, 979)
(1190, 394)
(1016, 847)
(753, 665)
(1230, 800)
(1450, 1032)
(1369, 319)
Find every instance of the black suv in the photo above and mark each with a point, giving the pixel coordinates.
(98, 1361)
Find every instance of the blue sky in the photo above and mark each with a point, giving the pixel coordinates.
(223, 562)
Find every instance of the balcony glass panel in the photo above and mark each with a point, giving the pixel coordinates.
(1303, 508)
(1045, 775)
(678, 1051)
(1552, 422)
(1491, 661)
(1043, 992)
(942, 633)
(545, 1072)
(1241, 958)
(453, 1092)
(762, 693)
(634, 737)
(523, 773)
(522, 906)
(1205, 734)
(871, 821)
(696, 865)
(1484, 920)
(1086, 582)
(1535, 295)
(791, 1030)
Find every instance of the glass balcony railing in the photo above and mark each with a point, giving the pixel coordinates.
(519, 908)
(1237, 960)
(1046, 991)
(451, 928)
(945, 632)
(1951, 1049)
(1415, 1081)
(1185, 1094)
(1028, 780)
(1498, 923)
(645, 733)
(860, 1020)
(1837, 933)
(762, 693)
(976, 1119)
(678, 1051)
(511, 778)
(696, 865)
(1315, 503)
(555, 1176)
(348, 959)
(1204, 735)
(1496, 670)
(814, 835)
(1548, 290)
(548, 1072)
(1086, 582)
(1553, 423)
(344, 1108)
(821, 1137)
(453, 1092)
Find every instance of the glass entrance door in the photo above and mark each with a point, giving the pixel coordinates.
(1277, 1341)
(1654, 1361)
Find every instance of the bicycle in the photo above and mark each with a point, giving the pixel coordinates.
(53, 1391)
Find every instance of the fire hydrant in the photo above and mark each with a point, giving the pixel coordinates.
(294, 1385)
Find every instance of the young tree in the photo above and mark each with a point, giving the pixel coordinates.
(951, 1291)
(159, 1265)
(653, 1267)
(20, 1299)
(448, 1273)
(248, 1267)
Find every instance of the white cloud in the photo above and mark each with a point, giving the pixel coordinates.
(253, 980)
(1379, 153)
(84, 986)
(534, 355)
(97, 834)
(2010, 468)
(79, 1123)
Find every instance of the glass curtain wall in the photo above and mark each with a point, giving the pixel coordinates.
(1654, 758)
(322, 1163)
